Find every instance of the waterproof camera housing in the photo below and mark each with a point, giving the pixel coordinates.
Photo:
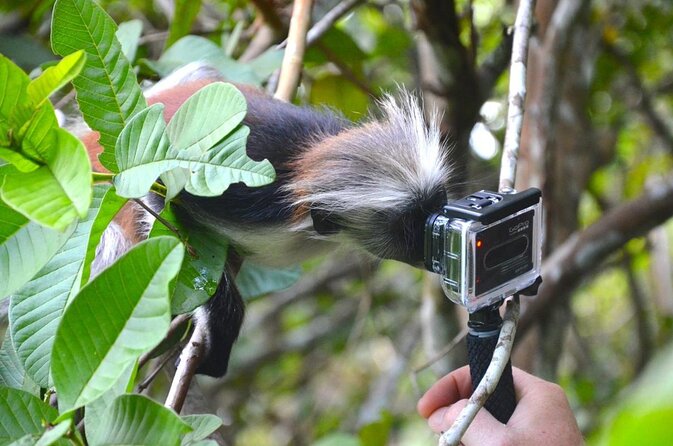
(486, 246)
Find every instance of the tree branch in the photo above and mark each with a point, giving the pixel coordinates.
(584, 251)
(290, 71)
(517, 95)
(645, 104)
(190, 358)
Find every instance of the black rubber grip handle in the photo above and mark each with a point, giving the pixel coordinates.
(502, 402)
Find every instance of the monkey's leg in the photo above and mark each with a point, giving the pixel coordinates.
(223, 317)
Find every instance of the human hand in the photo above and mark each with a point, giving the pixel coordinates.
(542, 415)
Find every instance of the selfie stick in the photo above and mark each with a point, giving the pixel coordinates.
(482, 337)
(483, 332)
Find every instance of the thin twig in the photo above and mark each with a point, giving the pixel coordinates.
(457, 339)
(290, 71)
(328, 20)
(190, 358)
(190, 249)
(140, 388)
(501, 354)
(517, 95)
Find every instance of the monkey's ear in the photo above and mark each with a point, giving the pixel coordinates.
(323, 223)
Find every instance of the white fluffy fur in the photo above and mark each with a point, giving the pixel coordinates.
(366, 177)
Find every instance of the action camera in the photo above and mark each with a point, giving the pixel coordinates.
(486, 246)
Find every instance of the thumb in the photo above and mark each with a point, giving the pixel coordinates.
(484, 430)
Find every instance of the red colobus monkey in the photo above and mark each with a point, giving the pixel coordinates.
(370, 186)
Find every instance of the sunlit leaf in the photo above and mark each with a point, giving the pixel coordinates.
(13, 85)
(142, 153)
(56, 194)
(55, 77)
(205, 118)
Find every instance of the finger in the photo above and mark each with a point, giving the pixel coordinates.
(525, 383)
(483, 430)
(453, 387)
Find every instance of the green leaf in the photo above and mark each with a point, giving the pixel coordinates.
(19, 160)
(25, 247)
(205, 118)
(137, 420)
(35, 310)
(13, 85)
(255, 280)
(28, 414)
(202, 425)
(143, 154)
(342, 94)
(199, 49)
(642, 426)
(198, 277)
(266, 63)
(128, 35)
(183, 18)
(378, 432)
(56, 194)
(55, 433)
(121, 314)
(36, 134)
(227, 163)
(109, 207)
(11, 371)
(107, 90)
(338, 439)
(96, 411)
(55, 77)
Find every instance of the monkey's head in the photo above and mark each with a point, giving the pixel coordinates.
(376, 184)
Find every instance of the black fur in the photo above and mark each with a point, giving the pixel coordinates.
(279, 132)
(224, 317)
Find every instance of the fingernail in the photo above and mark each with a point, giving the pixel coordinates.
(436, 420)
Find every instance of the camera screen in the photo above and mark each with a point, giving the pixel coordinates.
(503, 252)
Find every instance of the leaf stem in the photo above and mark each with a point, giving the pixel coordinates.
(100, 177)
(159, 189)
(170, 226)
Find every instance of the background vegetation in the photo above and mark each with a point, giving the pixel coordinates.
(337, 358)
